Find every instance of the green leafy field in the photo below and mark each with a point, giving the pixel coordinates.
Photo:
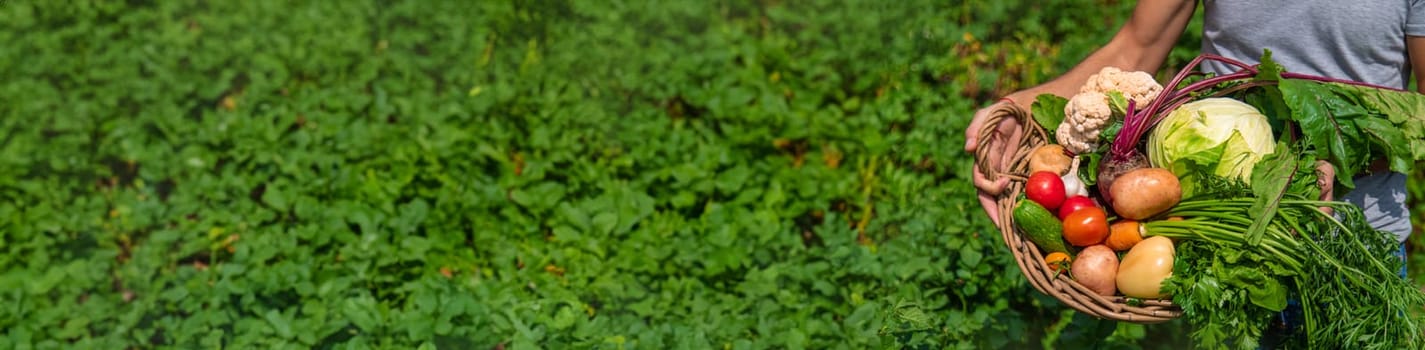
(493, 174)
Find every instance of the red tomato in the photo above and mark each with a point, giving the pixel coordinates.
(1045, 188)
(1073, 204)
(1086, 227)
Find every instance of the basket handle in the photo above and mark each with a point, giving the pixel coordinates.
(1015, 143)
(1007, 137)
(991, 133)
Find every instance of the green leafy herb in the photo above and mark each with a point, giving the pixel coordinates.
(1088, 167)
(1271, 178)
(1229, 286)
(1048, 111)
(1109, 132)
(1117, 104)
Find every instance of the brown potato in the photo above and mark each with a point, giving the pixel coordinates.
(1142, 193)
(1049, 158)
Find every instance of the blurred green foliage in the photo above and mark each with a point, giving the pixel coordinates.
(512, 174)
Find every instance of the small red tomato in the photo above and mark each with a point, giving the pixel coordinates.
(1045, 188)
(1073, 204)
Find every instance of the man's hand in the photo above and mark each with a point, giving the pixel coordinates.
(1326, 179)
(997, 151)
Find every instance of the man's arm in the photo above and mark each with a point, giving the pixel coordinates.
(1142, 44)
(1415, 47)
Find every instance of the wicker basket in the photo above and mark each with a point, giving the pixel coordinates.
(1028, 256)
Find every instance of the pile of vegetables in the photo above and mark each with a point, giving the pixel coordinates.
(1206, 191)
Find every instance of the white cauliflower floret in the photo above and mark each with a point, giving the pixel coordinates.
(1134, 85)
(1105, 80)
(1074, 141)
(1085, 116)
(1088, 111)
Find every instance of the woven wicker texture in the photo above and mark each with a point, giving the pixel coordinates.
(1026, 254)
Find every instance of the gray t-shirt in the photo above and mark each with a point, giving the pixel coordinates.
(1359, 40)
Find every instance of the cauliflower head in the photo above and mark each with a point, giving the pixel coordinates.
(1075, 141)
(1088, 112)
(1134, 85)
(1085, 116)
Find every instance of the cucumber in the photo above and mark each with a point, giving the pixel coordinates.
(1040, 226)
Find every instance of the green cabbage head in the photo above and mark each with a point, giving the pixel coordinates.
(1223, 135)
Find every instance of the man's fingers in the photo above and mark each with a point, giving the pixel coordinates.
(1009, 129)
(989, 190)
(972, 133)
(1326, 180)
(988, 202)
(987, 186)
(1007, 135)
